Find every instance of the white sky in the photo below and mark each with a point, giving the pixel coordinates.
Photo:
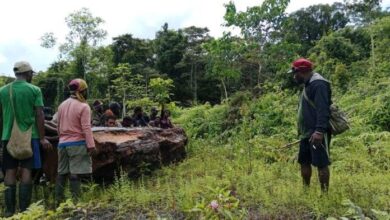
(23, 22)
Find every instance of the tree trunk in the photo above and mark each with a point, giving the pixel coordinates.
(372, 50)
(192, 80)
(259, 74)
(195, 87)
(124, 104)
(224, 88)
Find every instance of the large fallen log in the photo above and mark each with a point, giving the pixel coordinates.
(133, 151)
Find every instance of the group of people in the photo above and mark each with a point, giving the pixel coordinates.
(21, 103)
(109, 117)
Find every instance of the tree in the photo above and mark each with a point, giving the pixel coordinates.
(306, 26)
(169, 47)
(160, 89)
(193, 62)
(259, 25)
(126, 85)
(83, 36)
(364, 12)
(136, 52)
(223, 54)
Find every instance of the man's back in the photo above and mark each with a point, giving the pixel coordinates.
(26, 97)
(74, 117)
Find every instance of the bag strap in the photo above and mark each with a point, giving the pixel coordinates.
(12, 99)
(307, 98)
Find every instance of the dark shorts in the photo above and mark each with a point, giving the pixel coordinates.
(11, 163)
(317, 156)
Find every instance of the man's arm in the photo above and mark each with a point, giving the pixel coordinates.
(86, 127)
(322, 103)
(40, 120)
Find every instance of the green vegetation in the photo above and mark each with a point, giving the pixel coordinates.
(236, 166)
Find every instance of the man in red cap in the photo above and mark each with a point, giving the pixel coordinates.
(313, 122)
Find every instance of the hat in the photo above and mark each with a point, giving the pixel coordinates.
(301, 64)
(77, 85)
(22, 67)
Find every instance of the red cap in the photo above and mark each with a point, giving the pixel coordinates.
(302, 64)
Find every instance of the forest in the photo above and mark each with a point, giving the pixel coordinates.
(238, 106)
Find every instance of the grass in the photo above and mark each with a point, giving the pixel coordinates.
(242, 167)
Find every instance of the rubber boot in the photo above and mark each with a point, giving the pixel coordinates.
(75, 188)
(10, 200)
(59, 190)
(25, 192)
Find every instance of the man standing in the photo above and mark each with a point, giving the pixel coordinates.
(76, 140)
(26, 107)
(313, 122)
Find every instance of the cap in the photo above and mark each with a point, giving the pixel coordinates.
(301, 64)
(22, 66)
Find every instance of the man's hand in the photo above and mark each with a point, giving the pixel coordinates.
(92, 151)
(316, 138)
(46, 144)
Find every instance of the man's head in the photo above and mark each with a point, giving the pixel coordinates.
(138, 111)
(115, 108)
(167, 113)
(98, 106)
(154, 111)
(127, 122)
(79, 88)
(110, 121)
(302, 69)
(23, 70)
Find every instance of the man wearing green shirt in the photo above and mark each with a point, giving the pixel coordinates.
(28, 111)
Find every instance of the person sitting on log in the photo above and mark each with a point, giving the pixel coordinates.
(154, 118)
(165, 121)
(139, 118)
(97, 118)
(76, 144)
(127, 122)
(115, 108)
(110, 121)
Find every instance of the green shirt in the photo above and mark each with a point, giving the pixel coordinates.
(25, 98)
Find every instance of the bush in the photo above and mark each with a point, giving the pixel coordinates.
(381, 116)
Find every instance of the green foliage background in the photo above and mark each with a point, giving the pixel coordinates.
(235, 154)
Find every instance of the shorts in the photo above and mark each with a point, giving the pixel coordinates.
(10, 162)
(317, 156)
(74, 160)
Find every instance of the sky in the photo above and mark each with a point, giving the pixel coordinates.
(23, 22)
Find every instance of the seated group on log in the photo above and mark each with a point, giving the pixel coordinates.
(109, 117)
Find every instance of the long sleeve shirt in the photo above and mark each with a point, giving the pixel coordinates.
(316, 118)
(74, 123)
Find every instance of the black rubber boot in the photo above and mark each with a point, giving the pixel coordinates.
(25, 192)
(75, 188)
(60, 188)
(10, 200)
